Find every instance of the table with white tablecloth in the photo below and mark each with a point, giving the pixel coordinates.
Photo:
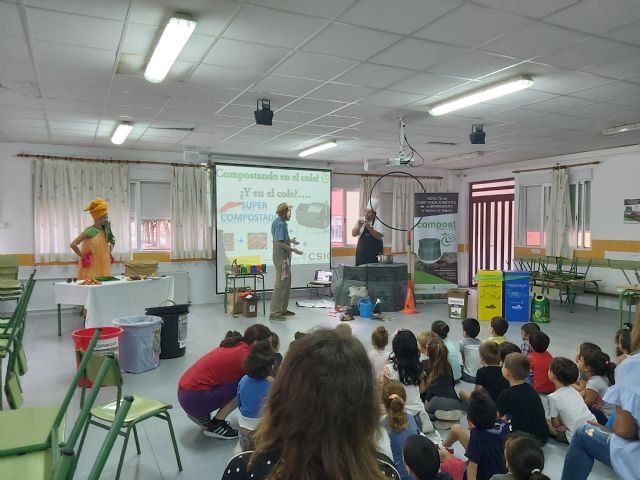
(113, 299)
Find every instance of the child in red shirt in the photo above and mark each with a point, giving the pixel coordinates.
(540, 361)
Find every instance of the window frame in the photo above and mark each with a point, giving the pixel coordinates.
(347, 241)
(579, 199)
(135, 213)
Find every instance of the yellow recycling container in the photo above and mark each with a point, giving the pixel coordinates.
(489, 294)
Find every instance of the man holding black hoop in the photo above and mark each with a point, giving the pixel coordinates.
(370, 242)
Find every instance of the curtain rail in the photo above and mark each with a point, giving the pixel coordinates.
(398, 176)
(556, 167)
(104, 160)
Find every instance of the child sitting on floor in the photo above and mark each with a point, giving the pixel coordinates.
(525, 458)
(623, 344)
(422, 458)
(404, 365)
(599, 371)
(540, 360)
(506, 348)
(525, 331)
(489, 375)
(567, 410)
(470, 349)
(483, 443)
(497, 329)
(441, 329)
(378, 356)
(520, 404)
(424, 339)
(440, 393)
(397, 423)
(253, 389)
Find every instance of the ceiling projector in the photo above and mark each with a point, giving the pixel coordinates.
(403, 159)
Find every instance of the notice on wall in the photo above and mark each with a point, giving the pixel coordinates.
(435, 244)
(632, 210)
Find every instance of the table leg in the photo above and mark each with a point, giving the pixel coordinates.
(620, 301)
(59, 321)
(571, 298)
(597, 293)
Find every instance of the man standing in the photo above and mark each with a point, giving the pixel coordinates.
(370, 241)
(282, 261)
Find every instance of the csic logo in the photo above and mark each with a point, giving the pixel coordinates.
(319, 256)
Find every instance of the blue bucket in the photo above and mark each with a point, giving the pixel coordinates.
(365, 307)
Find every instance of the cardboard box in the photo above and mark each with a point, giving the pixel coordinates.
(458, 300)
(250, 306)
(234, 300)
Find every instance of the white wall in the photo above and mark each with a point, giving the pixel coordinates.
(615, 178)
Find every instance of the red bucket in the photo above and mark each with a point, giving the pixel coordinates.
(108, 342)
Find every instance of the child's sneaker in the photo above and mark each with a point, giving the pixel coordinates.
(220, 429)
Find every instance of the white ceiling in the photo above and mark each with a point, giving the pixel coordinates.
(333, 69)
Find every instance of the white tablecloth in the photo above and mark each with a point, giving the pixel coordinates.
(114, 299)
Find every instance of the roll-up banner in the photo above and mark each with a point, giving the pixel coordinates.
(435, 244)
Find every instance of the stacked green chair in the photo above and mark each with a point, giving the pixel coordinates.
(104, 415)
(10, 286)
(37, 447)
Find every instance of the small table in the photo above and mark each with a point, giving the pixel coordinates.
(627, 291)
(113, 299)
(230, 279)
(579, 284)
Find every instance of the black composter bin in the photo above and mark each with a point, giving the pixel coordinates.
(173, 337)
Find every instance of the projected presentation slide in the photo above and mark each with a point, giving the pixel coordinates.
(246, 202)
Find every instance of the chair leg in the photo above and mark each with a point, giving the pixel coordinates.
(135, 437)
(124, 450)
(173, 439)
(81, 444)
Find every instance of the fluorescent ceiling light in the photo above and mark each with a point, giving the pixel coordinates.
(173, 39)
(121, 133)
(629, 127)
(482, 95)
(455, 158)
(318, 148)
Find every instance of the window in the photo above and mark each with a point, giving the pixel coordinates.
(534, 203)
(150, 215)
(345, 211)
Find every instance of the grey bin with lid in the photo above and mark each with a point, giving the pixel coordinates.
(173, 339)
(140, 342)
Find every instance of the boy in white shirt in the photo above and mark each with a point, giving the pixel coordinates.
(568, 413)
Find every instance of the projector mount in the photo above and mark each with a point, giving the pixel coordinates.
(405, 152)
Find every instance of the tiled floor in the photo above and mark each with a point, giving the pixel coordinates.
(51, 365)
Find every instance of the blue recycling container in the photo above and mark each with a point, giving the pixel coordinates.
(516, 295)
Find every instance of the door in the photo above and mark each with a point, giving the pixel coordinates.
(491, 232)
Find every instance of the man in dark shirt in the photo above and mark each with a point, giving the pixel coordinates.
(520, 404)
(370, 240)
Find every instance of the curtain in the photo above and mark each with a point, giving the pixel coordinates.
(404, 190)
(559, 221)
(61, 192)
(366, 183)
(191, 213)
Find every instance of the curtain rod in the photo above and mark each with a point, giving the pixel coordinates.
(103, 160)
(398, 176)
(556, 167)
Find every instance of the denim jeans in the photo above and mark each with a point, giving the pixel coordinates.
(589, 443)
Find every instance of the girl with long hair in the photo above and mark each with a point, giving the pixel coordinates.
(405, 367)
(525, 458)
(320, 419)
(440, 393)
(599, 371)
(397, 423)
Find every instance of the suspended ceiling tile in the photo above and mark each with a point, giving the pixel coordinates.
(376, 76)
(10, 21)
(559, 104)
(609, 91)
(593, 52)
(472, 65)
(112, 10)
(253, 56)
(341, 92)
(452, 27)
(415, 54)
(595, 16)
(224, 76)
(75, 30)
(620, 69)
(534, 40)
(527, 8)
(283, 85)
(350, 42)
(397, 17)
(629, 34)
(270, 27)
(314, 66)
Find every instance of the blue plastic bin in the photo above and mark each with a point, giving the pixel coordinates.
(365, 307)
(516, 295)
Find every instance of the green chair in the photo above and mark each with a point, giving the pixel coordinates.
(10, 286)
(33, 450)
(142, 409)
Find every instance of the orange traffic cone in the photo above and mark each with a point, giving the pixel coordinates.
(409, 302)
